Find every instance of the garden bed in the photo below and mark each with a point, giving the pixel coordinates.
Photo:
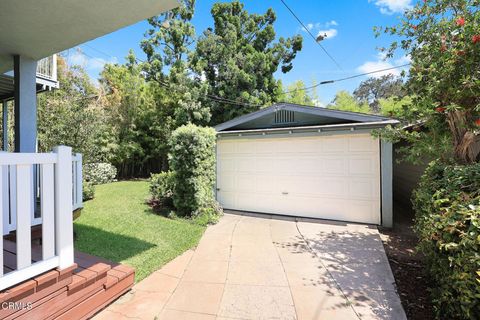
(409, 270)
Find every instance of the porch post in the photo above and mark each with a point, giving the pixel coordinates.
(25, 73)
(5, 125)
(63, 206)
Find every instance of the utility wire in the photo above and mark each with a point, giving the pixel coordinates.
(229, 101)
(311, 35)
(346, 78)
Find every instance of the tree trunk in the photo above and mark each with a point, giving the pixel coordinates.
(466, 143)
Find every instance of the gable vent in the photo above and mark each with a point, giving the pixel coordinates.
(284, 116)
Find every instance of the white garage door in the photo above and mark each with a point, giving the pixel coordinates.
(331, 177)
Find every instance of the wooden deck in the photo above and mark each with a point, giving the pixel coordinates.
(77, 292)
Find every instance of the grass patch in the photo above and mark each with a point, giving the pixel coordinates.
(117, 225)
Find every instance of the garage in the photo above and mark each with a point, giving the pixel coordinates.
(308, 162)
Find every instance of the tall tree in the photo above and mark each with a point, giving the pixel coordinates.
(238, 58)
(443, 39)
(139, 125)
(72, 115)
(167, 42)
(167, 45)
(374, 89)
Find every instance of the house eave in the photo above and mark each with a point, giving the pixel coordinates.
(37, 29)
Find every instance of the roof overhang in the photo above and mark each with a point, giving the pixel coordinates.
(37, 29)
(341, 119)
(347, 127)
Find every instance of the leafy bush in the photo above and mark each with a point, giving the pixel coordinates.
(88, 190)
(192, 158)
(99, 173)
(162, 186)
(447, 206)
(208, 214)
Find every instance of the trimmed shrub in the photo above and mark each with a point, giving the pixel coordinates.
(88, 190)
(162, 186)
(447, 208)
(99, 173)
(192, 158)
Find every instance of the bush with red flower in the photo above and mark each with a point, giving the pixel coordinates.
(445, 75)
(444, 82)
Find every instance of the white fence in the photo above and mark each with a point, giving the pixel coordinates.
(38, 182)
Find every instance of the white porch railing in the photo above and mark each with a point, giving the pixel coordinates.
(10, 220)
(47, 68)
(53, 198)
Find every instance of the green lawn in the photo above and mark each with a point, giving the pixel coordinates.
(117, 225)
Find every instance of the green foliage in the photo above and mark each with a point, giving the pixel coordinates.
(394, 106)
(169, 48)
(162, 188)
(443, 40)
(138, 118)
(192, 158)
(238, 57)
(167, 42)
(372, 90)
(208, 214)
(344, 101)
(296, 93)
(99, 173)
(447, 206)
(88, 190)
(72, 115)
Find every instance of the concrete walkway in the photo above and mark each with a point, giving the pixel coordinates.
(263, 267)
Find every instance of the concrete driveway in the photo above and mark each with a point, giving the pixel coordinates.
(264, 267)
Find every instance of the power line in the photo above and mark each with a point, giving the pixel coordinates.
(311, 35)
(99, 51)
(213, 97)
(346, 78)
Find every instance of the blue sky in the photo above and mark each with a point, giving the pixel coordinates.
(348, 24)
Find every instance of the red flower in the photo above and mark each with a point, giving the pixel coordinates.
(476, 38)
(460, 22)
(477, 122)
(440, 109)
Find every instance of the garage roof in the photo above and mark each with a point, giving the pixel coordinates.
(283, 116)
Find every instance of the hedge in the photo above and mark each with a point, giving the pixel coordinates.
(447, 208)
(192, 158)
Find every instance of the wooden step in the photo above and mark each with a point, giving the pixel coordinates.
(74, 293)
